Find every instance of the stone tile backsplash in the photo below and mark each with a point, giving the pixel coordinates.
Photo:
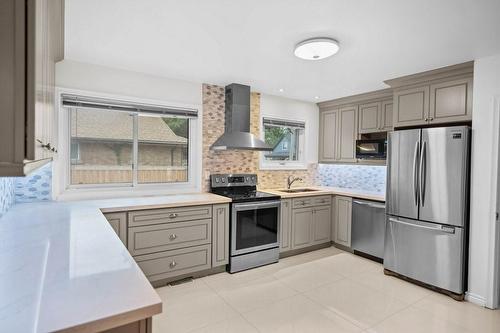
(362, 177)
(7, 196)
(35, 187)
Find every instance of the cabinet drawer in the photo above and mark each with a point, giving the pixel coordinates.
(163, 237)
(312, 201)
(302, 202)
(168, 215)
(322, 200)
(173, 263)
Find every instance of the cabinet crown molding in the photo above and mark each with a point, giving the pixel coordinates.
(359, 98)
(463, 69)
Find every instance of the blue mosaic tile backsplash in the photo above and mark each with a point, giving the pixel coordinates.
(35, 187)
(6, 194)
(361, 177)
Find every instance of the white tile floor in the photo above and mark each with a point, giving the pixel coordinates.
(322, 291)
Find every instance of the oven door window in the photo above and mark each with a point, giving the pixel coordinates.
(256, 229)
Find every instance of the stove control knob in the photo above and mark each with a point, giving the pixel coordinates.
(248, 178)
(253, 179)
(217, 179)
(223, 180)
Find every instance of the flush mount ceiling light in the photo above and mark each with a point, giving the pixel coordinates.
(316, 48)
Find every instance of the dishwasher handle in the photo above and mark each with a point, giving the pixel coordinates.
(369, 204)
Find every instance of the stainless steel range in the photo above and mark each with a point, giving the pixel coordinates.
(254, 226)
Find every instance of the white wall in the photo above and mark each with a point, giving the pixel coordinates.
(83, 76)
(483, 175)
(285, 108)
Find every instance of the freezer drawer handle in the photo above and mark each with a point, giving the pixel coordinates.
(372, 205)
(448, 230)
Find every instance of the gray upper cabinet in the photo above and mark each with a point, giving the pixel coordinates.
(370, 117)
(412, 106)
(342, 120)
(220, 235)
(32, 38)
(451, 101)
(348, 132)
(342, 220)
(328, 136)
(375, 117)
(386, 115)
(439, 96)
(285, 226)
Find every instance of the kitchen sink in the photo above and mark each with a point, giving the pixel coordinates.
(299, 190)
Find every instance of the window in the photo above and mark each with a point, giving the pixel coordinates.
(111, 145)
(287, 139)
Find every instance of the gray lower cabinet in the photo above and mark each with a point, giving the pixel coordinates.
(322, 224)
(301, 228)
(220, 235)
(311, 221)
(171, 242)
(286, 225)
(169, 236)
(342, 220)
(118, 222)
(168, 264)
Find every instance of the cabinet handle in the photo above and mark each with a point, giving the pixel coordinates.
(431, 119)
(47, 146)
(173, 236)
(173, 264)
(172, 215)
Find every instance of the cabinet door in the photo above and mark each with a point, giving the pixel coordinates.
(348, 132)
(322, 223)
(328, 135)
(411, 106)
(370, 117)
(301, 228)
(118, 222)
(286, 225)
(451, 101)
(386, 117)
(220, 235)
(342, 221)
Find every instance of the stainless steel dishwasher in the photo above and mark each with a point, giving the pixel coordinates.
(368, 227)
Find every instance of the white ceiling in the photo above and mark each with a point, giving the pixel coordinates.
(251, 42)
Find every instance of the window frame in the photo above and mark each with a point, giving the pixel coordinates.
(300, 164)
(64, 190)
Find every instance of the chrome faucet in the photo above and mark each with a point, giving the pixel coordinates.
(291, 179)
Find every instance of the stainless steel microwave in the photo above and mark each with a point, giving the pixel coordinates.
(371, 149)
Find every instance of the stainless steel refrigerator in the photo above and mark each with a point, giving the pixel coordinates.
(427, 205)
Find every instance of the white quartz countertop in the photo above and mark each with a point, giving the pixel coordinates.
(64, 268)
(322, 190)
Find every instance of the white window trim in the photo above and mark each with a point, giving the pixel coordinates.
(283, 165)
(61, 179)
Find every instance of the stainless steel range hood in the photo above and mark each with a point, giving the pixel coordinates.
(237, 130)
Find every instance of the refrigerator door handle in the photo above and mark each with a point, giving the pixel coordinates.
(415, 173)
(423, 172)
(441, 228)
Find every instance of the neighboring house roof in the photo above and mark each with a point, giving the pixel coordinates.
(278, 150)
(97, 124)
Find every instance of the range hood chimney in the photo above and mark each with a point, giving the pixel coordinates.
(237, 130)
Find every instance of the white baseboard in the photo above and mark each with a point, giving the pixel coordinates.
(476, 299)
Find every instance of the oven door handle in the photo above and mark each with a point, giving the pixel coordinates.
(263, 204)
